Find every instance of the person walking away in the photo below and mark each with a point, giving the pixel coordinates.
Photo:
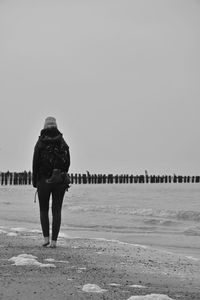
(51, 161)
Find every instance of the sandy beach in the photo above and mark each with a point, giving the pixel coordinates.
(92, 269)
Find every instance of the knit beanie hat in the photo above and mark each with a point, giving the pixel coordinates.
(50, 122)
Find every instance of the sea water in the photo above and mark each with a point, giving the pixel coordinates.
(162, 216)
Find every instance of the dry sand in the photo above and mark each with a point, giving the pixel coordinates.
(120, 270)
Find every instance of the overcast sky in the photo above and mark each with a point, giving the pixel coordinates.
(122, 78)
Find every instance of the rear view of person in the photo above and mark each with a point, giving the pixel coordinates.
(51, 161)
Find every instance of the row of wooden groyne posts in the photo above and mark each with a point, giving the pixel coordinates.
(25, 178)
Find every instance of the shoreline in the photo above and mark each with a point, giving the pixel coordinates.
(139, 239)
(121, 270)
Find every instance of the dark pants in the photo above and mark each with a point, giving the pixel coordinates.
(45, 190)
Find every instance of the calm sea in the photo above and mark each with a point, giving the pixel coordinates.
(164, 216)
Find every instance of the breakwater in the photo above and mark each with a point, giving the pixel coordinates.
(25, 178)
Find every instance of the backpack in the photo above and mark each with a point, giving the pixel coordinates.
(59, 177)
(54, 155)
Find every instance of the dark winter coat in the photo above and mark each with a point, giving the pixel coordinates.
(46, 155)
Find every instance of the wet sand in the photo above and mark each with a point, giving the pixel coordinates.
(92, 269)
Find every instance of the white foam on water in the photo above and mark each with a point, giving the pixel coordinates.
(18, 229)
(53, 260)
(151, 297)
(92, 288)
(64, 235)
(119, 242)
(137, 286)
(28, 260)
(34, 230)
(12, 234)
(2, 231)
(23, 229)
(192, 258)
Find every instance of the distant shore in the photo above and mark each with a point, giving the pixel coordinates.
(91, 269)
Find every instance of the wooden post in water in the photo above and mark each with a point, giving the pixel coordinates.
(89, 179)
(6, 178)
(79, 179)
(2, 178)
(15, 178)
(71, 178)
(141, 179)
(92, 178)
(99, 178)
(25, 178)
(30, 176)
(84, 177)
(110, 178)
(120, 179)
(116, 179)
(127, 179)
(175, 179)
(76, 178)
(104, 179)
(152, 179)
(95, 178)
(11, 179)
(19, 178)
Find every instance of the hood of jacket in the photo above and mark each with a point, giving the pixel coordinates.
(50, 135)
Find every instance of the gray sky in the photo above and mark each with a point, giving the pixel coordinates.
(122, 77)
